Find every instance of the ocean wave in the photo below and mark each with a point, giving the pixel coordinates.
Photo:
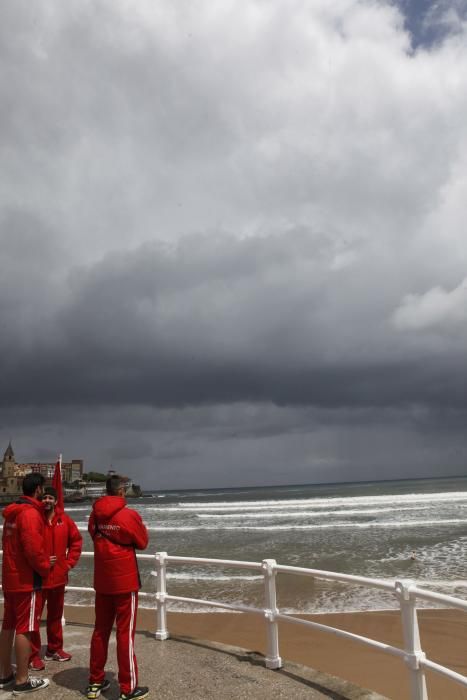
(305, 513)
(331, 502)
(211, 577)
(443, 583)
(320, 526)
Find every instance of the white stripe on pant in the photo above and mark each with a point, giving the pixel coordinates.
(131, 644)
(32, 612)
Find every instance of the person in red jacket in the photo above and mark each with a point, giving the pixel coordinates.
(25, 563)
(117, 531)
(62, 539)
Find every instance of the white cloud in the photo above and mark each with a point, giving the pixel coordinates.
(164, 121)
(437, 308)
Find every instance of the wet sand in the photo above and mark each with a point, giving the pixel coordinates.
(443, 634)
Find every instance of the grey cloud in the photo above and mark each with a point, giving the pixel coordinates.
(218, 319)
(231, 444)
(131, 449)
(259, 208)
(174, 454)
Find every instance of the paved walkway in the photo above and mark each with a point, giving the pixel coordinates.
(185, 668)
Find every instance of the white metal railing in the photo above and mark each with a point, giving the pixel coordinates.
(405, 592)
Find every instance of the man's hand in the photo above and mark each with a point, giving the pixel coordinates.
(53, 559)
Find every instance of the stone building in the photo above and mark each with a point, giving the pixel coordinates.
(12, 472)
(8, 476)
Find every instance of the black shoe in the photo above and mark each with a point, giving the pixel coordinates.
(31, 685)
(137, 693)
(95, 689)
(5, 682)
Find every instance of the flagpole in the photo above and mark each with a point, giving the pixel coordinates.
(57, 482)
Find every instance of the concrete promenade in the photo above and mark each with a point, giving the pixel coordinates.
(189, 668)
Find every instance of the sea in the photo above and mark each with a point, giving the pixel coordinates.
(368, 529)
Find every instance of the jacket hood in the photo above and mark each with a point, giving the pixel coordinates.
(107, 506)
(12, 511)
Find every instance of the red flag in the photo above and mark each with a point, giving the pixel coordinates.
(57, 484)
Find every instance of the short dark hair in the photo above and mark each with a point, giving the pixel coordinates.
(113, 485)
(50, 491)
(31, 482)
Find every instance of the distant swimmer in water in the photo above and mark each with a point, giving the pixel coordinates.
(413, 556)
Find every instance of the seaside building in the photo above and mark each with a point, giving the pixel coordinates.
(94, 489)
(12, 472)
(10, 482)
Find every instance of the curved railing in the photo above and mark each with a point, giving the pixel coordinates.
(405, 592)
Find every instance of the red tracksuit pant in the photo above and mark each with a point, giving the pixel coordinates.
(54, 597)
(123, 608)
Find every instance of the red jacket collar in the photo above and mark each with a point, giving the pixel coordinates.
(27, 500)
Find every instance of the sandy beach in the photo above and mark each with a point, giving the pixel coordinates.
(443, 633)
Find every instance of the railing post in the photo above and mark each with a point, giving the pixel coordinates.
(412, 646)
(273, 660)
(161, 612)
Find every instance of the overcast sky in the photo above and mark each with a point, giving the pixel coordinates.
(233, 243)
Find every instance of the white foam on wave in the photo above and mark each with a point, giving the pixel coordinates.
(330, 502)
(304, 513)
(212, 577)
(179, 528)
(443, 583)
(321, 526)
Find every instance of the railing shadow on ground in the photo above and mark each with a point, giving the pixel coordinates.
(256, 658)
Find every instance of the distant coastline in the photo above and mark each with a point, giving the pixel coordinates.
(321, 484)
(6, 499)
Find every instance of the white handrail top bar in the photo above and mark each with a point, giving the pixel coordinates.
(216, 604)
(342, 633)
(316, 573)
(221, 562)
(85, 589)
(140, 556)
(334, 576)
(437, 668)
(85, 529)
(438, 597)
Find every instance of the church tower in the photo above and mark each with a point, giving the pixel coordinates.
(9, 462)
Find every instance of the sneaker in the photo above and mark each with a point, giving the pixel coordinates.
(5, 682)
(36, 664)
(57, 655)
(137, 693)
(31, 685)
(95, 689)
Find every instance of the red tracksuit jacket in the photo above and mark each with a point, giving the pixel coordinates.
(25, 561)
(116, 531)
(63, 539)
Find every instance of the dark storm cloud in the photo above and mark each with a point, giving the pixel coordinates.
(127, 449)
(219, 320)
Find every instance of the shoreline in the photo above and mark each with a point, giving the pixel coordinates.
(443, 634)
(284, 611)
